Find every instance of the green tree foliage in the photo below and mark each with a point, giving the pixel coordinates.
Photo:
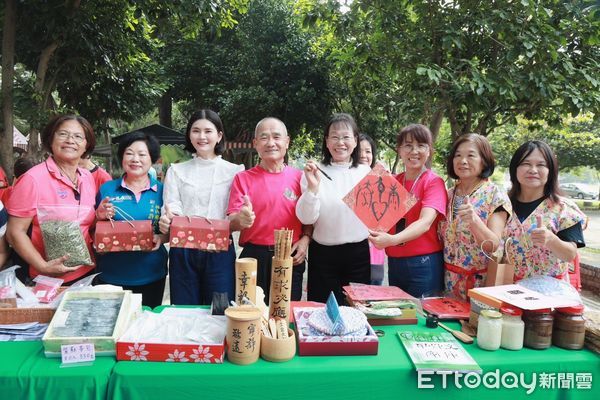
(575, 143)
(479, 64)
(264, 67)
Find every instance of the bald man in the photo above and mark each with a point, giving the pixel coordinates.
(263, 199)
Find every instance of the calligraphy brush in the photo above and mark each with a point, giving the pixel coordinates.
(324, 173)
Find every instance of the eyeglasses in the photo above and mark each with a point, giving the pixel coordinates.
(64, 135)
(345, 139)
(421, 147)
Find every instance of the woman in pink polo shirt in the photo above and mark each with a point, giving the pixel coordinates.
(415, 259)
(54, 183)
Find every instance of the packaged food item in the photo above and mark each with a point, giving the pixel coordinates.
(513, 328)
(569, 328)
(8, 285)
(61, 231)
(538, 328)
(489, 330)
(46, 288)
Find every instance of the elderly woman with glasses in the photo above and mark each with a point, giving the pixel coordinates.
(339, 251)
(545, 229)
(54, 183)
(414, 249)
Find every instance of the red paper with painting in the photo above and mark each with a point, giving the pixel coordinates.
(379, 200)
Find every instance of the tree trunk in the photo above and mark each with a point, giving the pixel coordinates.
(436, 123)
(8, 73)
(40, 90)
(165, 110)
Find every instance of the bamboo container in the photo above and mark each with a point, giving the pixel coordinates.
(245, 279)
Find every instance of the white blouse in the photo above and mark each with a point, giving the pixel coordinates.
(199, 187)
(334, 222)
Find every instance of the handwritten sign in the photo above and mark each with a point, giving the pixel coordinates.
(379, 200)
(437, 351)
(77, 353)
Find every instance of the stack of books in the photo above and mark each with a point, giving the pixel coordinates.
(383, 305)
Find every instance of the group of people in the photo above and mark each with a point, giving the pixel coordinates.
(444, 241)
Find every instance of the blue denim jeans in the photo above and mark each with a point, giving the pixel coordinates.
(417, 275)
(195, 274)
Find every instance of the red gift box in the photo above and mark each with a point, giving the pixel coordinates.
(349, 345)
(200, 233)
(379, 200)
(114, 236)
(171, 352)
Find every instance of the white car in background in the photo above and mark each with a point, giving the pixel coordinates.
(578, 191)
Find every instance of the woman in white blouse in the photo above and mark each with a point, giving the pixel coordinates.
(339, 251)
(200, 187)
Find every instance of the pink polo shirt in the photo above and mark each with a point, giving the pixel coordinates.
(273, 197)
(430, 192)
(43, 186)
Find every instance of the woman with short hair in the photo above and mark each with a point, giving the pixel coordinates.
(476, 214)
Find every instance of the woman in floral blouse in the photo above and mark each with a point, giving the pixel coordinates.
(545, 229)
(476, 215)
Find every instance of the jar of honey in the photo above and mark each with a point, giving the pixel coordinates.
(569, 327)
(538, 328)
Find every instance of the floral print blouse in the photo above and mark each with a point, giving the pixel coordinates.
(460, 248)
(530, 260)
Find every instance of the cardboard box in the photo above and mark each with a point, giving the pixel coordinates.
(129, 348)
(104, 345)
(365, 344)
(114, 236)
(200, 233)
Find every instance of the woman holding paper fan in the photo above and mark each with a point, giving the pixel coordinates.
(414, 249)
(135, 196)
(200, 187)
(476, 215)
(545, 229)
(339, 251)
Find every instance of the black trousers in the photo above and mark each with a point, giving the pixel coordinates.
(331, 267)
(264, 257)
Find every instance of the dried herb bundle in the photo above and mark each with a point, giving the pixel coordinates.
(62, 238)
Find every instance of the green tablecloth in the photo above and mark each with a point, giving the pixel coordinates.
(389, 375)
(25, 373)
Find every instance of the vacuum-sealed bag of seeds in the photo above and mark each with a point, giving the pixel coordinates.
(61, 231)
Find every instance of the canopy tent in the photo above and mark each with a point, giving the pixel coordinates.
(19, 140)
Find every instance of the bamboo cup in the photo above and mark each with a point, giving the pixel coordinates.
(281, 288)
(278, 350)
(243, 334)
(245, 279)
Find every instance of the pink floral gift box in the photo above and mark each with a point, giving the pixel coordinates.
(200, 233)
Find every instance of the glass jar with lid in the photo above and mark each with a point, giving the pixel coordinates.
(489, 330)
(538, 328)
(513, 328)
(569, 327)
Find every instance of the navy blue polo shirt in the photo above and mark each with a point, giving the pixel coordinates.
(133, 268)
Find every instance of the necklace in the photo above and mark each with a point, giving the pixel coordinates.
(74, 181)
(412, 188)
(458, 200)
